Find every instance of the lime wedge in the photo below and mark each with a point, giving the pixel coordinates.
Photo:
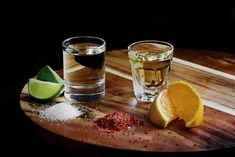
(47, 74)
(44, 90)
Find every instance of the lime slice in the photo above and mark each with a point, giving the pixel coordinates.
(47, 74)
(44, 90)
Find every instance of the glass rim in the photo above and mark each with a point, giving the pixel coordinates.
(151, 41)
(85, 37)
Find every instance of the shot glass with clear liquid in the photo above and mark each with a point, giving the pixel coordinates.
(84, 68)
(150, 63)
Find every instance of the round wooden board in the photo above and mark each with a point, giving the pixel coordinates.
(217, 130)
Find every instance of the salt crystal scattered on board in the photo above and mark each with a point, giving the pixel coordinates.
(60, 112)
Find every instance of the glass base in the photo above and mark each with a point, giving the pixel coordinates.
(148, 95)
(145, 97)
(84, 98)
(84, 93)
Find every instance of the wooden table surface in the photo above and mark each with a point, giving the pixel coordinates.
(212, 75)
(213, 59)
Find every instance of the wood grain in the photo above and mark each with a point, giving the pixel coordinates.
(217, 130)
(217, 60)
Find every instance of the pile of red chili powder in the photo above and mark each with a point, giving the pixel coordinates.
(116, 121)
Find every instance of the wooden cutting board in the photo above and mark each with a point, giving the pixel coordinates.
(217, 130)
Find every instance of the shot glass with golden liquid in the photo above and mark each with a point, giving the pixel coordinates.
(150, 63)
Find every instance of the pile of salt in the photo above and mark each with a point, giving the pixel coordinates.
(60, 112)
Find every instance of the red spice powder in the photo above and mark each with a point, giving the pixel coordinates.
(116, 121)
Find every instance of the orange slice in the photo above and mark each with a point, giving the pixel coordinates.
(180, 100)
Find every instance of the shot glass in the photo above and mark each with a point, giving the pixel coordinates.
(150, 63)
(84, 68)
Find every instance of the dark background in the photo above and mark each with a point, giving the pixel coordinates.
(34, 34)
(32, 37)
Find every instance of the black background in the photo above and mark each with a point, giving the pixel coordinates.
(32, 36)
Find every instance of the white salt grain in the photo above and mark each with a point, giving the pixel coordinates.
(60, 112)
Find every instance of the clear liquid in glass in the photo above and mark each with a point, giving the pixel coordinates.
(84, 72)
